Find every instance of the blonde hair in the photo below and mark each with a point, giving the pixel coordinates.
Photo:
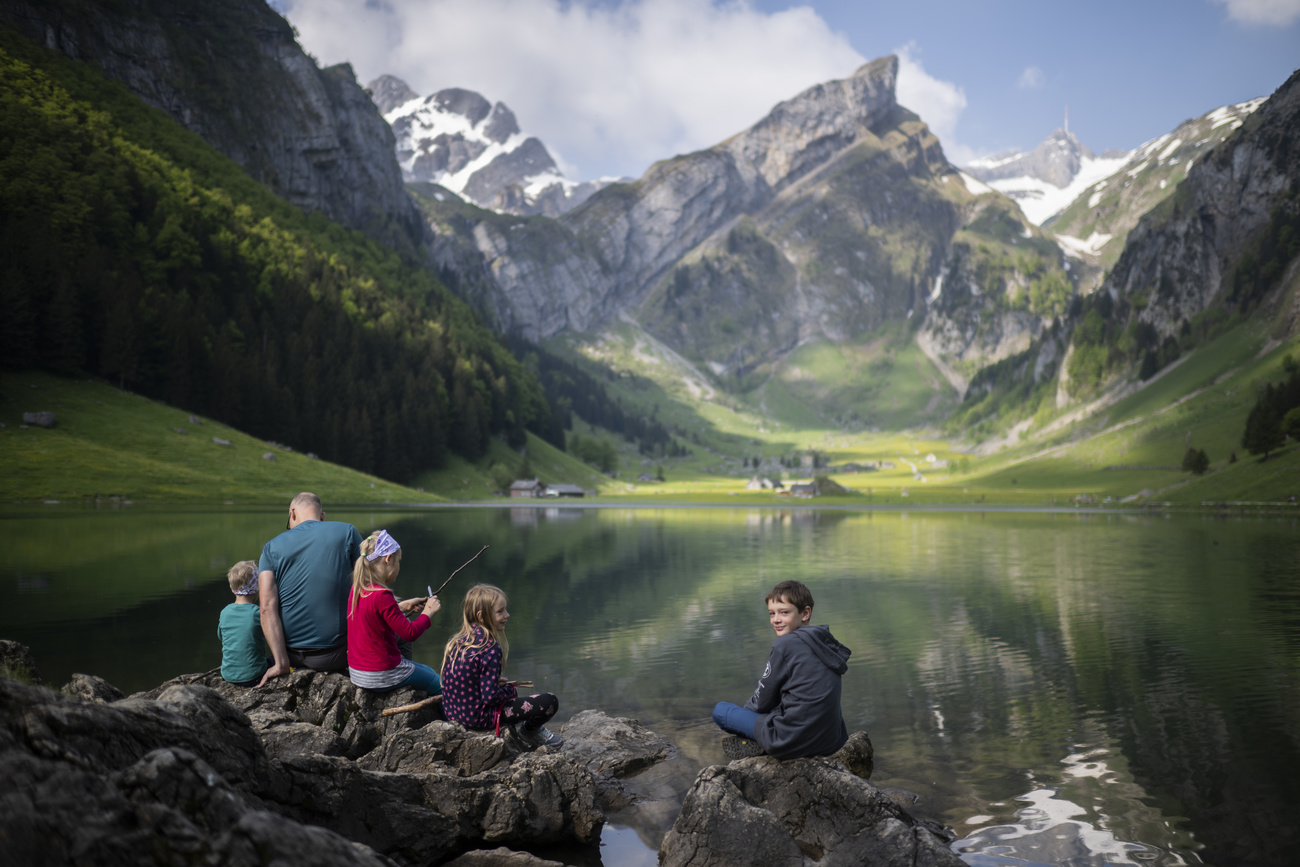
(240, 574)
(370, 575)
(478, 609)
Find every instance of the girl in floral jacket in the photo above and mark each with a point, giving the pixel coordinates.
(473, 692)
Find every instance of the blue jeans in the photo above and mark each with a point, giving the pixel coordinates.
(735, 719)
(424, 678)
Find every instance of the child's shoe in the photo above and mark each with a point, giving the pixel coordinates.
(736, 747)
(542, 737)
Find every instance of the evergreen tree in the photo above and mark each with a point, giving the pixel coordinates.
(1263, 427)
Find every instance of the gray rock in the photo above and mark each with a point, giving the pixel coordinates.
(89, 687)
(314, 713)
(268, 456)
(617, 747)
(470, 105)
(220, 442)
(857, 755)
(442, 744)
(501, 124)
(530, 158)
(16, 661)
(389, 91)
(756, 811)
(194, 419)
(182, 765)
(500, 857)
(40, 419)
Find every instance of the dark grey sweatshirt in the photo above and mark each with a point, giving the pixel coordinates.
(799, 695)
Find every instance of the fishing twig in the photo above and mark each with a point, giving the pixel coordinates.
(463, 565)
(407, 708)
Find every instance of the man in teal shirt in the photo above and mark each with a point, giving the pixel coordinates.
(304, 577)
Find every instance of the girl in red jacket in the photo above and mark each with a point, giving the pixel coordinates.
(474, 693)
(376, 621)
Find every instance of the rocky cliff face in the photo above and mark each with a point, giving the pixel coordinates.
(1095, 225)
(233, 73)
(1181, 255)
(579, 272)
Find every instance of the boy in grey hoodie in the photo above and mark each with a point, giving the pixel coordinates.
(795, 711)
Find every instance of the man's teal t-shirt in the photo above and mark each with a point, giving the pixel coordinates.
(243, 652)
(313, 574)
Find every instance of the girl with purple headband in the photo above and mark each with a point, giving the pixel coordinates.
(376, 621)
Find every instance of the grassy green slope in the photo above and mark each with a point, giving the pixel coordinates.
(109, 443)
(112, 443)
(1201, 402)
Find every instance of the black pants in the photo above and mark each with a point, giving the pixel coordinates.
(531, 710)
(322, 659)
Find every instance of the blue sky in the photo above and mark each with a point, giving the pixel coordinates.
(612, 85)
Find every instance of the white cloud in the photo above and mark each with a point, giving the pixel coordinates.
(612, 88)
(1031, 79)
(1280, 13)
(939, 103)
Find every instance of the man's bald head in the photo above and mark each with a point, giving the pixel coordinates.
(305, 507)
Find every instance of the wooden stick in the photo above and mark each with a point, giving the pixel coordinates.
(463, 565)
(433, 699)
(407, 708)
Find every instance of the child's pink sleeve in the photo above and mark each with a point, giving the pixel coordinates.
(407, 630)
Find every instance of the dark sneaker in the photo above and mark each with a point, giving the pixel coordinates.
(542, 737)
(736, 747)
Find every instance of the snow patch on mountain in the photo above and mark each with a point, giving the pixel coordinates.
(457, 139)
(1039, 197)
(1079, 246)
(974, 187)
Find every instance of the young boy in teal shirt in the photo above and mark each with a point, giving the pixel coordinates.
(795, 711)
(243, 650)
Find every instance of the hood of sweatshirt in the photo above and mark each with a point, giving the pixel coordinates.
(819, 640)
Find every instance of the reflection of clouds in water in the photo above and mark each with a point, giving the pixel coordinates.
(1054, 830)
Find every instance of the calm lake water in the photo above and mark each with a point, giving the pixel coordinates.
(1060, 688)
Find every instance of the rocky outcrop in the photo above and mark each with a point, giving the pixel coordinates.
(184, 774)
(234, 74)
(1181, 255)
(16, 661)
(757, 811)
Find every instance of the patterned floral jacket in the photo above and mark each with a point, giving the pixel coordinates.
(472, 691)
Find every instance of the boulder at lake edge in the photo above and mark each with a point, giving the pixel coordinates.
(756, 812)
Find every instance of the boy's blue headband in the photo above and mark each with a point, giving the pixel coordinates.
(248, 589)
(384, 545)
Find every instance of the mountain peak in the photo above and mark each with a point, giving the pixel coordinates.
(800, 133)
(1055, 161)
(389, 91)
(459, 140)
